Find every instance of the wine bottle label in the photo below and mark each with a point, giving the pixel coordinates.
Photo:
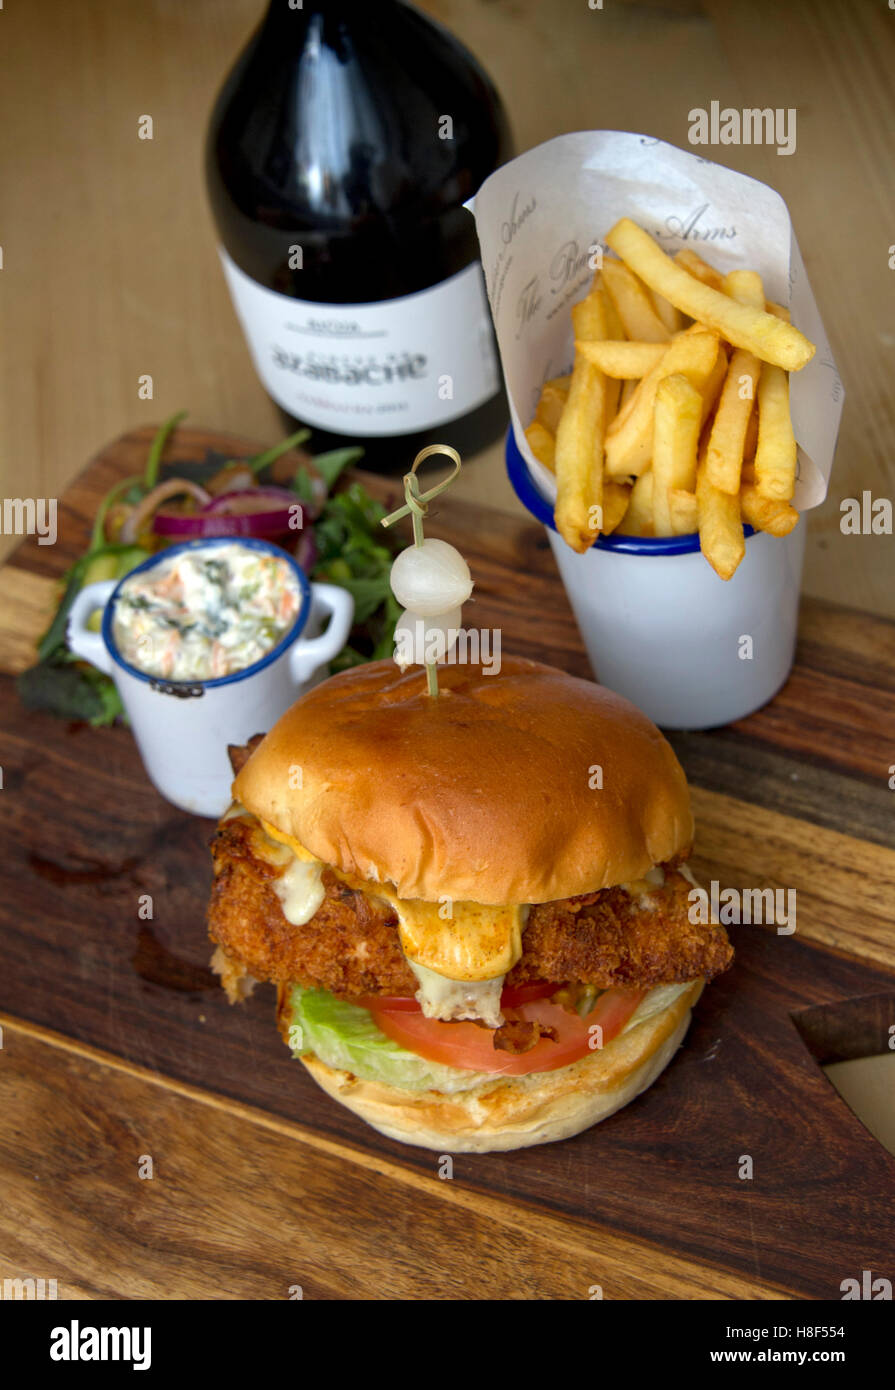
(390, 367)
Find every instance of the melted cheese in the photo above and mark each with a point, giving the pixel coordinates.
(296, 846)
(473, 943)
(460, 959)
(643, 888)
(300, 890)
(300, 886)
(446, 999)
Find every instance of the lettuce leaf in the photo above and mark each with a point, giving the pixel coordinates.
(659, 997)
(344, 1036)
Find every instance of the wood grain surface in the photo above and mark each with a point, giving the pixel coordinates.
(118, 1042)
(109, 262)
(243, 1204)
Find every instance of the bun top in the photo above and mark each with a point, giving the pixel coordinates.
(518, 787)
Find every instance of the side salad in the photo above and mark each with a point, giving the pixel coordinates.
(340, 541)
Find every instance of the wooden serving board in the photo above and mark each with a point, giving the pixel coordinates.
(118, 1042)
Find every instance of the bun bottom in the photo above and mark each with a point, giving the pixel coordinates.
(515, 1112)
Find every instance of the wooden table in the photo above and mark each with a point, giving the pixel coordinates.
(119, 1047)
(109, 264)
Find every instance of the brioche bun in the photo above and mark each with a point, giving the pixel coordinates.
(522, 787)
(516, 1112)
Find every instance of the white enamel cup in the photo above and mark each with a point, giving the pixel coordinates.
(691, 650)
(183, 728)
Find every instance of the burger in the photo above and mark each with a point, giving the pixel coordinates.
(474, 906)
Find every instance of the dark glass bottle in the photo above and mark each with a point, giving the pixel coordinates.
(341, 150)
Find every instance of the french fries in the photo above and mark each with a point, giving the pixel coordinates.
(542, 444)
(590, 320)
(754, 329)
(612, 390)
(633, 304)
(724, 457)
(711, 390)
(554, 395)
(721, 537)
(624, 360)
(696, 266)
(672, 318)
(726, 447)
(766, 513)
(638, 519)
(616, 497)
(684, 512)
(751, 440)
(629, 439)
(589, 316)
(614, 327)
(775, 452)
(745, 287)
(676, 424)
(664, 429)
(579, 437)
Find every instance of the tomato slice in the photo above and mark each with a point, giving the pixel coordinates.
(509, 999)
(471, 1048)
(393, 1003)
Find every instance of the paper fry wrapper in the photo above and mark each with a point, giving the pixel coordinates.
(541, 217)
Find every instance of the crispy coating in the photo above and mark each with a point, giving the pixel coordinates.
(239, 753)
(351, 945)
(608, 939)
(517, 1036)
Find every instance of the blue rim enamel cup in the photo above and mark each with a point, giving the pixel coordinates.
(660, 627)
(183, 727)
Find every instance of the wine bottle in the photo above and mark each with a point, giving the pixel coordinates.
(340, 152)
